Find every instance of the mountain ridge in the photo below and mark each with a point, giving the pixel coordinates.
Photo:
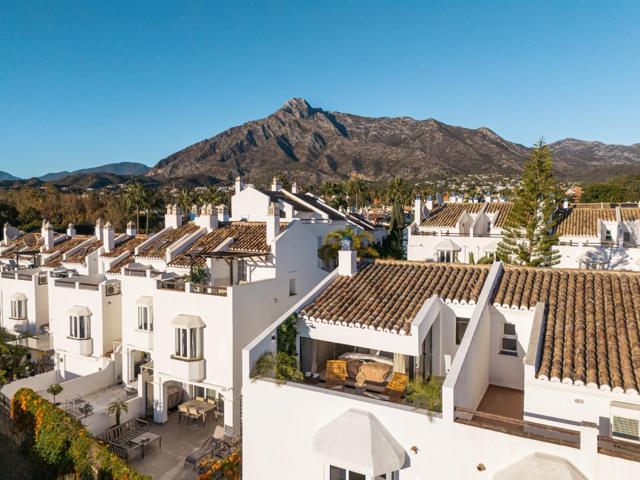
(312, 144)
(115, 168)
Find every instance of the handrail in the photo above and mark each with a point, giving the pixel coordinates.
(209, 290)
(536, 431)
(618, 448)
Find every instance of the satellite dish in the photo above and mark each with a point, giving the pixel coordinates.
(29, 240)
(12, 234)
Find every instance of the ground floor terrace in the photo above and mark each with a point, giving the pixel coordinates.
(180, 438)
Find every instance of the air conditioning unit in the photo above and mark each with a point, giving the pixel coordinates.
(625, 421)
(112, 289)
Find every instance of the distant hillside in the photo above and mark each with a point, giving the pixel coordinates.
(121, 168)
(6, 176)
(311, 145)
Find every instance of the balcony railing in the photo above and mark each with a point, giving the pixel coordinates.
(520, 428)
(208, 290)
(177, 284)
(618, 448)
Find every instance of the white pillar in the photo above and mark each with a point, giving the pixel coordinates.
(346, 259)
(159, 401)
(231, 414)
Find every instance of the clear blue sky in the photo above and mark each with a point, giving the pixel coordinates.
(90, 82)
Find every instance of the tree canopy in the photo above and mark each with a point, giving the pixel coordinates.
(529, 233)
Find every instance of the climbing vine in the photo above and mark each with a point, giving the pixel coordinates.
(63, 442)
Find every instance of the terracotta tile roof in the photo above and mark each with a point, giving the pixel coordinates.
(592, 332)
(592, 205)
(80, 255)
(126, 261)
(584, 221)
(127, 245)
(387, 295)
(158, 248)
(630, 214)
(249, 237)
(501, 211)
(448, 214)
(62, 248)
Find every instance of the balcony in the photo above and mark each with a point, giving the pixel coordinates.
(618, 448)
(143, 339)
(190, 370)
(208, 290)
(81, 346)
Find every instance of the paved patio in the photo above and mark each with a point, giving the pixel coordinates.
(178, 441)
(503, 401)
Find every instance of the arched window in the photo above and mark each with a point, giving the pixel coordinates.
(79, 322)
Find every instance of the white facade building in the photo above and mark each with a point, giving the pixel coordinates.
(593, 236)
(530, 386)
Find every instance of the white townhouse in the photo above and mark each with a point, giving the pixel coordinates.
(24, 293)
(600, 236)
(461, 232)
(250, 203)
(539, 371)
(593, 236)
(182, 337)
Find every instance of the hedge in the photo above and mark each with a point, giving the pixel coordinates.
(63, 442)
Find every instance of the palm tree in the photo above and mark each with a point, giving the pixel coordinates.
(361, 243)
(136, 197)
(426, 394)
(54, 389)
(116, 408)
(397, 189)
(282, 366)
(185, 201)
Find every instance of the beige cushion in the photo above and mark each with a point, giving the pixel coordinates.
(375, 372)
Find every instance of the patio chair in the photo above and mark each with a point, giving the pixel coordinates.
(397, 385)
(200, 399)
(211, 401)
(183, 411)
(194, 414)
(336, 373)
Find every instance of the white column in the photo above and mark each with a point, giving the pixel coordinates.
(231, 414)
(160, 401)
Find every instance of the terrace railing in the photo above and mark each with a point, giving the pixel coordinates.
(208, 290)
(520, 428)
(618, 448)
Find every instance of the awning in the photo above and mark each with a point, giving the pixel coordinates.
(145, 300)
(18, 296)
(447, 246)
(358, 442)
(492, 246)
(79, 310)
(540, 465)
(187, 321)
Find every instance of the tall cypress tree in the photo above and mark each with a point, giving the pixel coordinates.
(529, 234)
(393, 243)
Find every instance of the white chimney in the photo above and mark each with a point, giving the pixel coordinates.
(47, 235)
(131, 230)
(71, 230)
(98, 232)
(173, 217)
(276, 186)
(108, 237)
(294, 187)
(417, 210)
(565, 204)
(346, 258)
(239, 185)
(9, 232)
(273, 222)
(207, 219)
(429, 202)
(223, 213)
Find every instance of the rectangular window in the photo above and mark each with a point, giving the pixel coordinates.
(242, 270)
(188, 342)
(145, 318)
(509, 345)
(19, 309)
(292, 287)
(336, 473)
(80, 326)
(461, 327)
(607, 235)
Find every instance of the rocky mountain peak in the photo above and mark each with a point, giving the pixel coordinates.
(298, 107)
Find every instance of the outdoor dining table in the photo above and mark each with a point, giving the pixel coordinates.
(145, 439)
(201, 406)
